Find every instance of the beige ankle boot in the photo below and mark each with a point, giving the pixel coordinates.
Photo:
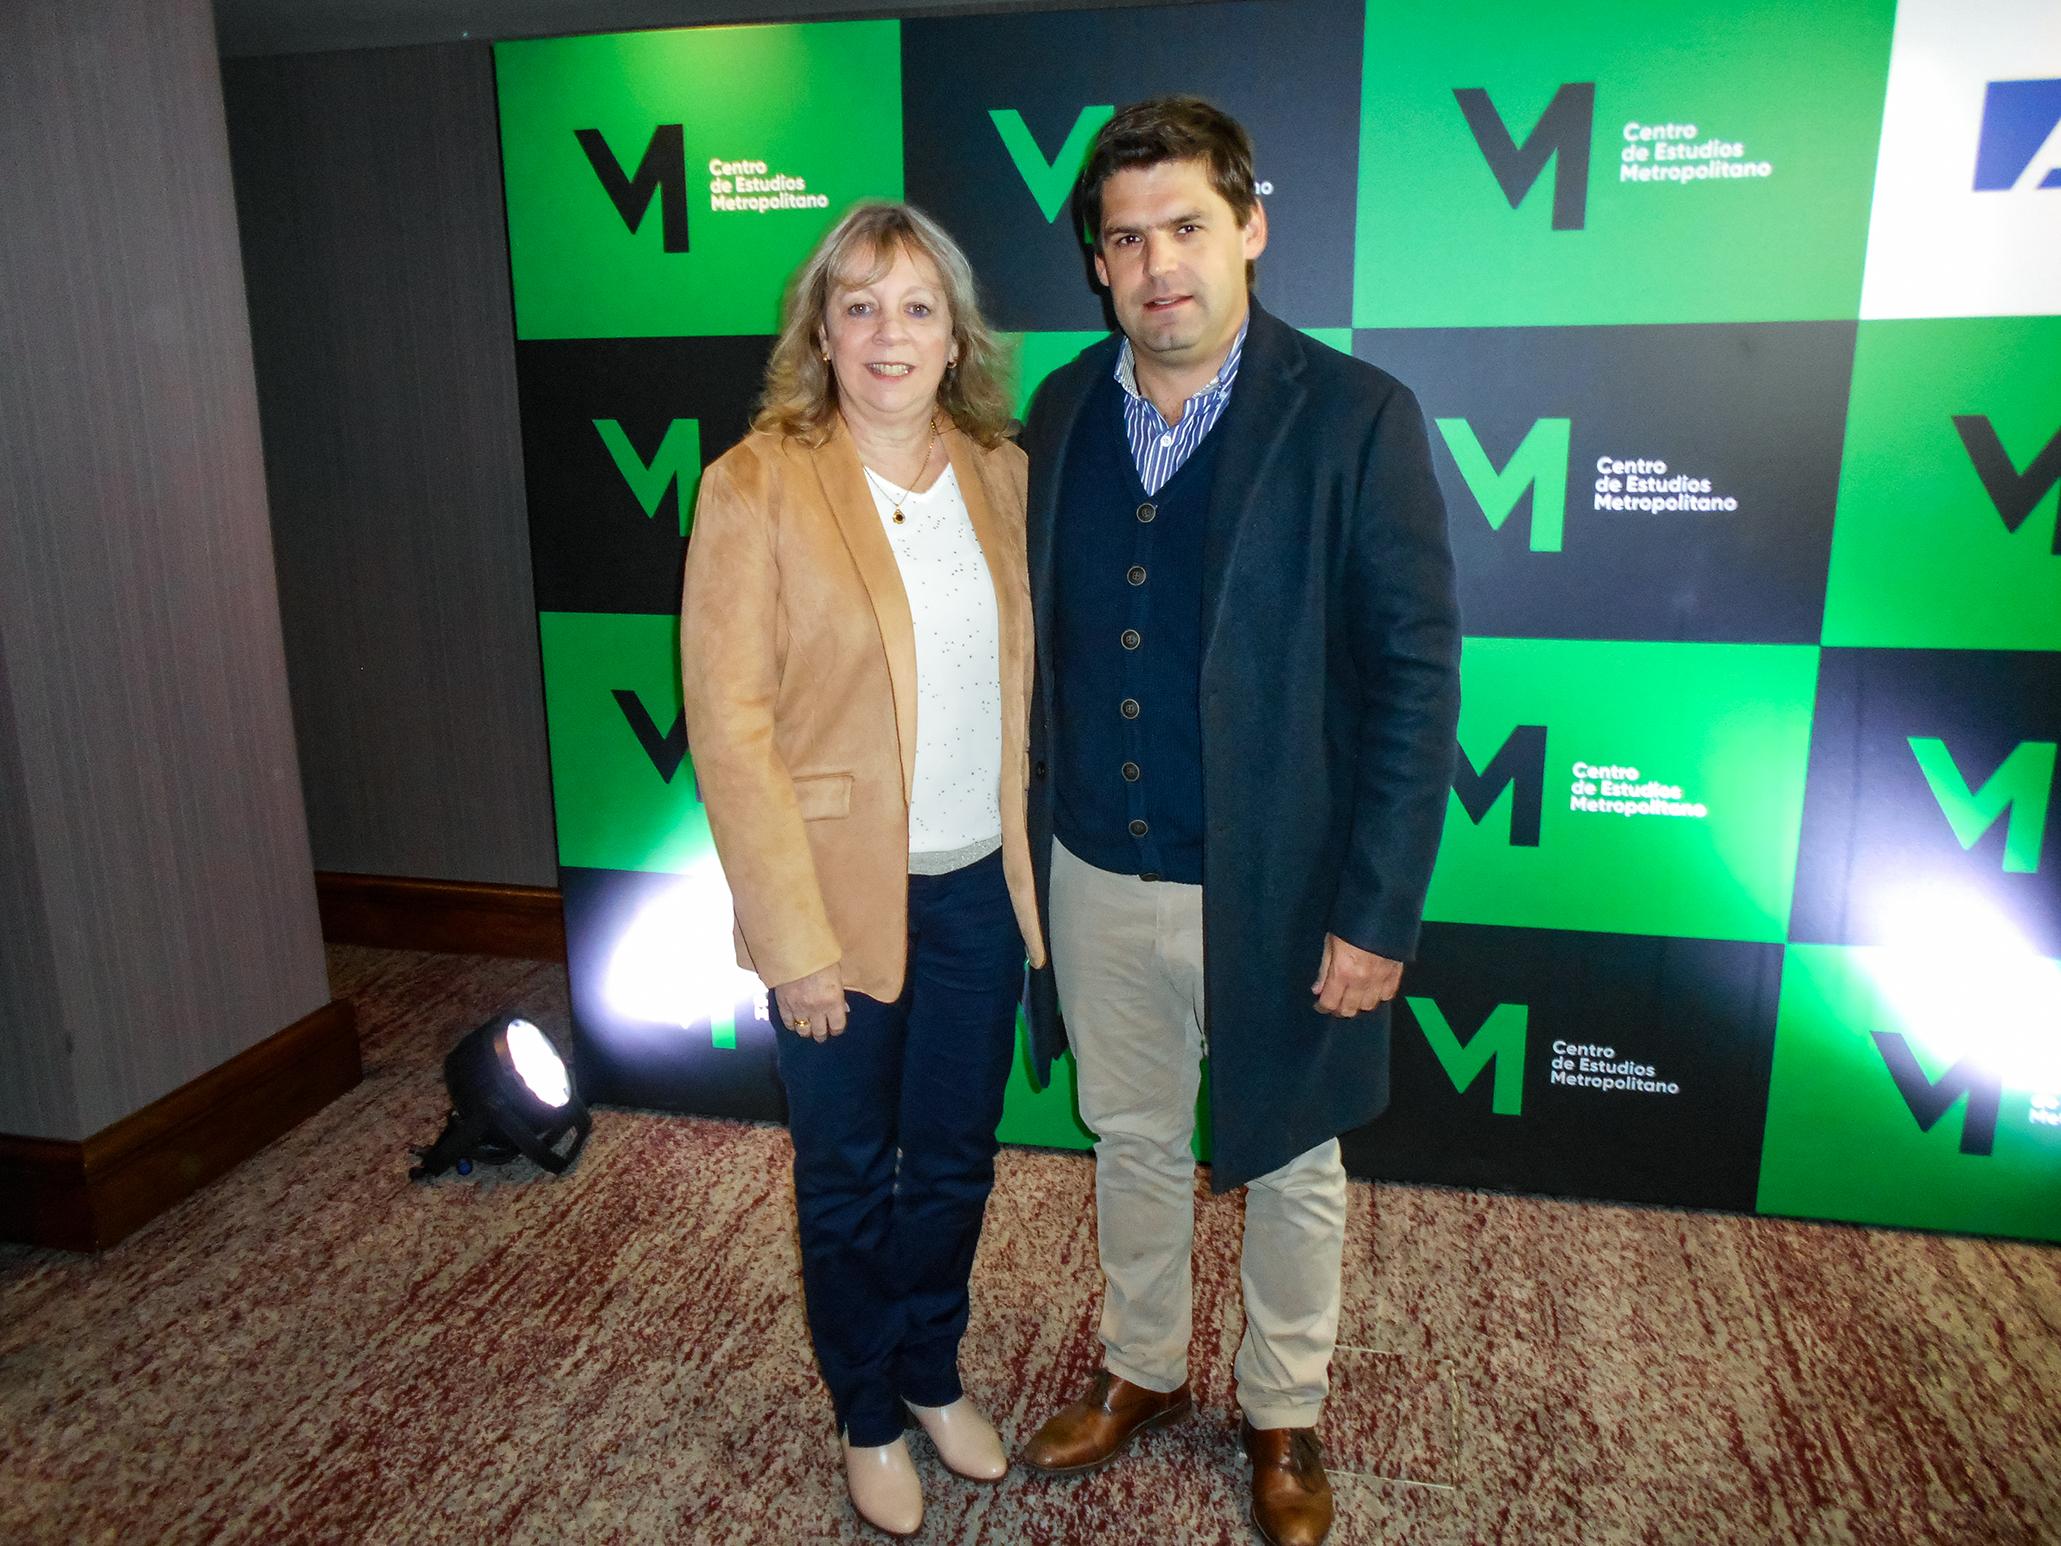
(965, 1440)
(882, 1481)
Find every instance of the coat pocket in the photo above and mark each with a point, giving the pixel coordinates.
(820, 796)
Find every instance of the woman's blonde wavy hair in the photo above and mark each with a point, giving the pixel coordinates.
(800, 397)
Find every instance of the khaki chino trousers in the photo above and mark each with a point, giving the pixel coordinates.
(1128, 957)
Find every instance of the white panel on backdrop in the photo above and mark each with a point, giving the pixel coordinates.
(1967, 214)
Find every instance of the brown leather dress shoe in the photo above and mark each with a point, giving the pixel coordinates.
(1087, 1434)
(1291, 1495)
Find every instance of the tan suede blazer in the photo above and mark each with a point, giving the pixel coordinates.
(798, 664)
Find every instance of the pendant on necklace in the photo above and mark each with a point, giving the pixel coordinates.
(899, 518)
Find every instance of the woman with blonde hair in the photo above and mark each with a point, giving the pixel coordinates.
(856, 657)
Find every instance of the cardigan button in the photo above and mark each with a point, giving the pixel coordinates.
(1139, 829)
(1135, 574)
(1150, 875)
(1038, 768)
(1146, 512)
(1128, 708)
(1131, 638)
(1130, 772)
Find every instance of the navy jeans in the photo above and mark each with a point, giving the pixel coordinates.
(894, 1152)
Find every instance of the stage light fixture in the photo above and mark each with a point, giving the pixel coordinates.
(511, 1093)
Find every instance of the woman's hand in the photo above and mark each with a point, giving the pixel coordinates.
(813, 1005)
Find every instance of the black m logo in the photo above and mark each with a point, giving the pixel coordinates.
(1519, 761)
(2014, 493)
(666, 751)
(1564, 130)
(661, 174)
(1931, 1099)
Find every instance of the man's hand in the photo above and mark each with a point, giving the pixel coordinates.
(1353, 981)
(814, 1005)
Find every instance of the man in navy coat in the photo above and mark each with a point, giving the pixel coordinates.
(1242, 741)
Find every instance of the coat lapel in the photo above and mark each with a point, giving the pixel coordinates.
(851, 504)
(1265, 401)
(1048, 475)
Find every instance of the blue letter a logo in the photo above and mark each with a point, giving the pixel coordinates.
(2020, 144)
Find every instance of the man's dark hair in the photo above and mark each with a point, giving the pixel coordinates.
(1170, 129)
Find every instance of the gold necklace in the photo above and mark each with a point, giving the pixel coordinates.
(887, 489)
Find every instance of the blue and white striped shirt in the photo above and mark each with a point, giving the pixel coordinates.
(1158, 448)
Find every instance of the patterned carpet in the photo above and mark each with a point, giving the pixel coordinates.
(315, 1350)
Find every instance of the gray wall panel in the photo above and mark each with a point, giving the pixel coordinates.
(377, 262)
(36, 1089)
(138, 609)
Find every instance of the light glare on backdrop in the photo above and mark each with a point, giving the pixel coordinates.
(1965, 983)
(675, 963)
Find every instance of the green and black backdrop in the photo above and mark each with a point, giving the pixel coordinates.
(1737, 329)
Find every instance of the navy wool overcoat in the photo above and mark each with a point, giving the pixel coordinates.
(1330, 698)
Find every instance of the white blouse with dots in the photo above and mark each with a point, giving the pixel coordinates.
(955, 810)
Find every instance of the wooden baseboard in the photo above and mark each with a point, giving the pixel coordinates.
(464, 917)
(85, 1196)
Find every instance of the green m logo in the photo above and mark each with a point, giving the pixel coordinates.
(1049, 181)
(1499, 1041)
(1538, 465)
(676, 461)
(2022, 786)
